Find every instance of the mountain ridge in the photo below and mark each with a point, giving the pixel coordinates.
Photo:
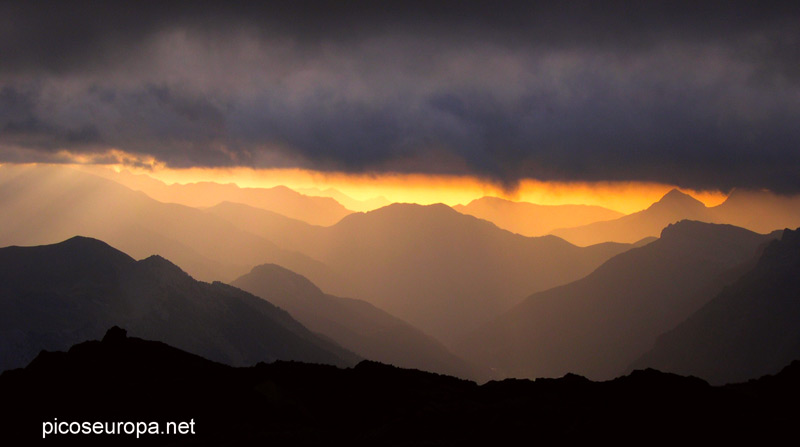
(672, 207)
(281, 199)
(54, 295)
(744, 331)
(304, 404)
(530, 219)
(354, 324)
(50, 204)
(757, 211)
(441, 271)
(599, 324)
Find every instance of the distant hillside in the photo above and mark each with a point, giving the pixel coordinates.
(598, 325)
(285, 231)
(354, 324)
(749, 329)
(287, 403)
(347, 201)
(673, 207)
(529, 219)
(279, 199)
(762, 212)
(56, 295)
(759, 211)
(443, 272)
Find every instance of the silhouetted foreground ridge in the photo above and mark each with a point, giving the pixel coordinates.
(287, 403)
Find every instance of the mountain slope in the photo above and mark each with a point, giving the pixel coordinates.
(286, 232)
(443, 272)
(746, 331)
(53, 296)
(354, 324)
(529, 219)
(671, 208)
(598, 325)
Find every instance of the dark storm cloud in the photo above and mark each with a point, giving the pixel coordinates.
(698, 94)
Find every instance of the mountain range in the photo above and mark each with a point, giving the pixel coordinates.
(56, 295)
(761, 212)
(439, 270)
(442, 271)
(347, 201)
(598, 325)
(431, 281)
(748, 330)
(46, 204)
(530, 219)
(314, 209)
(354, 324)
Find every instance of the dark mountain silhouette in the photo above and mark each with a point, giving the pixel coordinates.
(749, 329)
(673, 207)
(47, 204)
(443, 272)
(758, 211)
(53, 296)
(279, 199)
(529, 219)
(353, 324)
(286, 403)
(598, 325)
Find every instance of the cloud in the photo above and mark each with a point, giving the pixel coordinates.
(703, 96)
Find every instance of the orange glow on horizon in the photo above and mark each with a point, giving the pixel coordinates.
(625, 197)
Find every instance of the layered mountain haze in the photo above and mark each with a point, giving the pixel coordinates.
(286, 232)
(673, 207)
(354, 324)
(43, 205)
(314, 209)
(347, 201)
(747, 330)
(421, 275)
(56, 295)
(529, 219)
(442, 271)
(762, 212)
(598, 325)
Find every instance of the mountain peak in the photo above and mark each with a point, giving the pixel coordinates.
(675, 196)
(115, 335)
(679, 205)
(84, 242)
(86, 247)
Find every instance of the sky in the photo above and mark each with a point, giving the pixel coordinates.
(704, 96)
